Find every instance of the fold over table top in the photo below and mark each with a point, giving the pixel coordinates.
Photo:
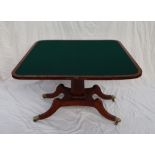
(77, 59)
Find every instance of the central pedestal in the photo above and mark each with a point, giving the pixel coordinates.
(77, 87)
(78, 95)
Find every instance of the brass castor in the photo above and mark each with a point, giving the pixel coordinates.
(36, 118)
(44, 96)
(113, 98)
(117, 120)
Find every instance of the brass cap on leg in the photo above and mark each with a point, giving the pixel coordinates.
(36, 118)
(117, 120)
(44, 96)
(113, 98)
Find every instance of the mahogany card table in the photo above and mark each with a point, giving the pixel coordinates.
(77, 60)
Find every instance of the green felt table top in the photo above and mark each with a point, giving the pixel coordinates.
(98, 58)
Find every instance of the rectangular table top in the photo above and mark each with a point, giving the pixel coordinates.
(85, 59)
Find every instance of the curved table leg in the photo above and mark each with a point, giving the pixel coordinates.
(97, 90)
(60, 89)
(99, 106)
(54, 107)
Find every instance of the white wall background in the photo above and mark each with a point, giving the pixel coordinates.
(20, 100)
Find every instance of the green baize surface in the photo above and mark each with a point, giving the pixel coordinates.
(80, 58)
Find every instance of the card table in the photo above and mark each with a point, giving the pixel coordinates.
(77, 60)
